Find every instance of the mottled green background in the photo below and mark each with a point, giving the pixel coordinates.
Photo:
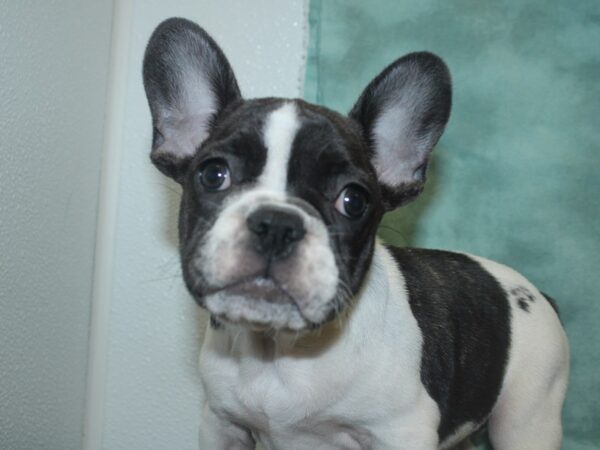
(515, 176)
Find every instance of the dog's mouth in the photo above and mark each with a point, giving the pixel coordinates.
(259, 302)
(260, 287)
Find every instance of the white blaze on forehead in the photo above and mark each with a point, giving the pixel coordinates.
(280, 130)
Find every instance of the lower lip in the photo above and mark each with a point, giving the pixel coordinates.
(260, 288)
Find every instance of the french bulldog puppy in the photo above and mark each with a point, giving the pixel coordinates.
(321, 336)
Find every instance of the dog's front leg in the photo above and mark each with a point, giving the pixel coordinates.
(217, 433)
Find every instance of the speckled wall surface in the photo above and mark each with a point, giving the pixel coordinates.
(53, 68)
(515, 177)
(153, 390)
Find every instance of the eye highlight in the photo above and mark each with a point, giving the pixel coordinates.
(352, 201)
(214, 175)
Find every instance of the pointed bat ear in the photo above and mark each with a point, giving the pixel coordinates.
(188, 82)
(403, 112)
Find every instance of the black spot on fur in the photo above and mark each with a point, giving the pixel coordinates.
(522, 296)
(464, 316)
(523, 304)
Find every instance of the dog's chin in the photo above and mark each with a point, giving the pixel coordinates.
(259, 304)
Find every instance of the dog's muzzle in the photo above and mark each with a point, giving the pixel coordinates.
(265, 261)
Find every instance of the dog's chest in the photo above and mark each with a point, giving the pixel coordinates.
(345, 387)
(291, 403)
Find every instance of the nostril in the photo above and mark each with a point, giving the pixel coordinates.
(257, 224)
(261, 228)
(295, 232)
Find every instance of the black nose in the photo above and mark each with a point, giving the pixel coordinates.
(277, 231)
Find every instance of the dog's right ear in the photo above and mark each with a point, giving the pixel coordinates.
(188, 82)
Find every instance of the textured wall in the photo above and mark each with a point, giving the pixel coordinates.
(152, 391)
(53, 69)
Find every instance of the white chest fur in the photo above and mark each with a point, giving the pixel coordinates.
(354, 384)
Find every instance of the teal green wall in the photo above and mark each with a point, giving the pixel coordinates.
(515, 176)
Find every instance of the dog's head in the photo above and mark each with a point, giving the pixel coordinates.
(281, 198)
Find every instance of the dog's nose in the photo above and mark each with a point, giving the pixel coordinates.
(276, 230)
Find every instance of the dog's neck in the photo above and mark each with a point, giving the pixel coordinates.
(368, 306)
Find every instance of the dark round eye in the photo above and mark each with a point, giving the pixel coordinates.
(214, 175)
(352, 201)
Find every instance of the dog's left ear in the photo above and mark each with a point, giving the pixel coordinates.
(403, 112)
(188, 82)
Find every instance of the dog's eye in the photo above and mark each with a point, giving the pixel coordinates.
(214, 175)
(352, 201)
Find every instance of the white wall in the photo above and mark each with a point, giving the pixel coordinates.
(53, 66)
(145, 392)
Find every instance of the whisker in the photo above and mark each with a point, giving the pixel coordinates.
(159, 279)
(234, 341)
(167, 186)
(398, 232)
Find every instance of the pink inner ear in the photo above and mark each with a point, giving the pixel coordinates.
(184, 122)
(399, 152)
(184, 134)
